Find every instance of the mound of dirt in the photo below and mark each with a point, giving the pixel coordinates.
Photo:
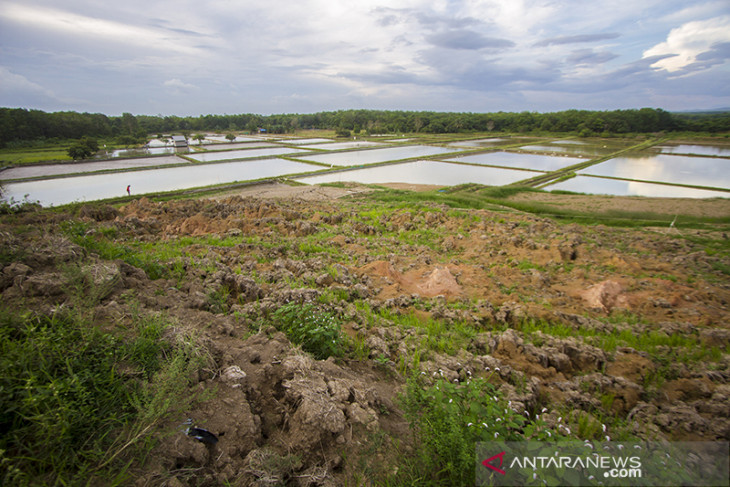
(560, 318)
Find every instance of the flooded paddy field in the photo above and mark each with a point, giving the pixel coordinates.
(48, 170)
(518, 160)
(423, 172)
(357, 158)
(699, 171)
(621, 187)
(704, 150)
(242, 154)
(94, 187)
(629, 173)
(344, 145)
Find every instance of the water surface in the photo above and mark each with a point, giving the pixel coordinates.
(577, 150)
(514, 159)
(94, 187)
(705, 150)
(357, 158)
(305, 141)
(617, 187)
(424, 172)
(699, 171)
(81, 167)
(345, 145)
(241, 154)
(479, 142)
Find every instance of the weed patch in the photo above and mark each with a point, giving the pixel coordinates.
(317, 331)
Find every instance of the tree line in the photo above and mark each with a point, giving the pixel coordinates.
(18, 125)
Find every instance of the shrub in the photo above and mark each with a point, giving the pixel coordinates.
(316, 330)
(450, 418)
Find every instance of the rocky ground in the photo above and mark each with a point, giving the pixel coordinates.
(603, 331)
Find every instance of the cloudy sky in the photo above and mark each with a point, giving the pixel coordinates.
(188, 57)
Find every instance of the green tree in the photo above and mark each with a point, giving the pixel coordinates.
(230, 137)
(83, 148)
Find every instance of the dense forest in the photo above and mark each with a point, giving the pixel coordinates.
(19, 126)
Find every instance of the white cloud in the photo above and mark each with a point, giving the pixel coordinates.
(686, 43)
(311, 55)
(99, 29)
(177, 83)
(12, 84)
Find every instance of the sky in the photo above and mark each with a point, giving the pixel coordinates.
(186, 57)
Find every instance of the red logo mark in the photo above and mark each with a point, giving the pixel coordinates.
(487, 463)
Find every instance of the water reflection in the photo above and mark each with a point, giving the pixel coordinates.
(424, 172)
(705, 150)
(94, 187)
(617, 187)
(357, 158)
(579, 150)
(345, 145)
(305, 141)
(241, 154)
(23, 172)
(699, 171)
(514, 159)
(478, 143)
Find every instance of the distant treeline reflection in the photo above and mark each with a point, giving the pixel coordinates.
(17, 124)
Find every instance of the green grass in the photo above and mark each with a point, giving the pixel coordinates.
(448, 420)
(315, 330)
(488, 197)
(18, 157)
(67, 414)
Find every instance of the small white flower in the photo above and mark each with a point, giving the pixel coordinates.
(549, 435)
(470, 424)
(456, 380)
(604, 427)
(527, 413)
(608, 438)
(423, 373)
(534, 475)
(620, 447)
(496, 369)
(485, 425)
(486, 368)
(450, 401)
(499, 420)
(637, 447)
(543, 410)
(560, 419)
(537, 416)
(567, 430)
(496, 434)
(591, 477)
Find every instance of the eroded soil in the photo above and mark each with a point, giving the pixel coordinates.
(513, 280)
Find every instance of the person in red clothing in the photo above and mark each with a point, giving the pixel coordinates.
(129, 191)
